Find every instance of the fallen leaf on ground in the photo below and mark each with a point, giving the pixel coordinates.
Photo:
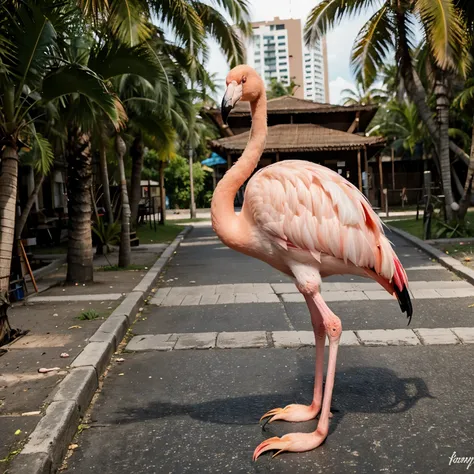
(122, 373)
(17, 432)
(31, 413)
(74, 327)
(120, 359)
(467, 259)
(471, 306)
(73, 446)
(45, 371)
(64, 355)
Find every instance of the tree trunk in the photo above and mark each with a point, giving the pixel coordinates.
(192, 203)
(416, 91)
(136, 152)
(442, 107)
(104, 176)
(8, 190)
(21, 221)
(79, 253)
(125, 250)
(162, 193)
(466, 197)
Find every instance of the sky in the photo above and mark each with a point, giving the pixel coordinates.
(339, 41)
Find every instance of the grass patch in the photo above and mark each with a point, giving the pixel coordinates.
(453, 249)
(164, 233)
(89, 315)
(116, 268)
(412, 226)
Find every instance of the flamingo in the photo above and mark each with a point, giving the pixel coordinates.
(308, 222)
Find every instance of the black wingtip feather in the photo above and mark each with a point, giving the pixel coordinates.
(405, 302)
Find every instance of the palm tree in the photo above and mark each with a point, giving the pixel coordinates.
(102, 61)
(401, 125)
(390, 29)
(192, 22)
(363, 96)
(279, 89)
(32, 72)
(465, 100)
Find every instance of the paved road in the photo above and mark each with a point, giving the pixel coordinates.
(397, 408)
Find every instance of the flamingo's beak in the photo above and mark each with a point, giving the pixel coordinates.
(232, 95)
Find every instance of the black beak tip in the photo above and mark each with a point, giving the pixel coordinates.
(225, 111)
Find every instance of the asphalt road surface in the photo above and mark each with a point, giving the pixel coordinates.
(396, 408)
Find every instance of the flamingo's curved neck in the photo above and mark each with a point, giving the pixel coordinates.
(227, 225)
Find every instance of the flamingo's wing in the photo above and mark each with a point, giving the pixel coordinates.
(302, 205)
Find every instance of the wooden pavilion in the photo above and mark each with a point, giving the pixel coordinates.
(290, 110)
(343, 152)
(331, 135)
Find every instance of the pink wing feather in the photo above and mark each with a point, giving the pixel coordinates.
(307, 206)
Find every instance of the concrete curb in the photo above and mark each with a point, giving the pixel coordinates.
(48, 443)
(448, 262)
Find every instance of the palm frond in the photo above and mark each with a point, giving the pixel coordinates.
(40, 155)
(74, 79)
(329, 13)
(465, 97)
(115, 59)
(226, 36)
(128, 20)
(463, 137)
(184, 20)
(34, 37)
(445, 31)
(239, 12)
(372, 46)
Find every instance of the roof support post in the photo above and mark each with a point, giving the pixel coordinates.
(393, 168)
(382, 197)
(229, 160)
(359, 171)
(366, 167)
(277, 157)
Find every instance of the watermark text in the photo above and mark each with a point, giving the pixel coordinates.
(455, 459)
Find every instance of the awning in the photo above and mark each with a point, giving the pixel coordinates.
(214, 160)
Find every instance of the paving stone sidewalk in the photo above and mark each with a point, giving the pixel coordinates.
(57, 325)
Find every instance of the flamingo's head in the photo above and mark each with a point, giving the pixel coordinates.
(243, 83)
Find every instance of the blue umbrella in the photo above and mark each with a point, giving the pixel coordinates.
(214, 160)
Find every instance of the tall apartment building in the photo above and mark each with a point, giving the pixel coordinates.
(276, 50)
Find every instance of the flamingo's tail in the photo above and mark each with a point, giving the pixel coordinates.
(400, 285)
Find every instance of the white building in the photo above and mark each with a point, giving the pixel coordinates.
(314, 74)
(276, 50)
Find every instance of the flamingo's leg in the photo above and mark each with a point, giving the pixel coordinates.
(296, 412)
(299, 442)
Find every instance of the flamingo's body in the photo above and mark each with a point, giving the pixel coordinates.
(308, 222)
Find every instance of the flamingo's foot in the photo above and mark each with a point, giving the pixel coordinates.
(294, 442)
(292, 413)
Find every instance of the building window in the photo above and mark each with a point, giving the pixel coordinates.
(280, 27)
(281, 37)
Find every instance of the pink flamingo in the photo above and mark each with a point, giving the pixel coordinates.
(307, 222)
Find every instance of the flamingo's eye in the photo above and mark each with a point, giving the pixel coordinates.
(244, 79)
